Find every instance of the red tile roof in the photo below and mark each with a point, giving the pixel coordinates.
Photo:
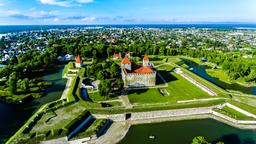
(78, 59)
(126, 61)
(117, 55)
(145, 57)
(143, 70)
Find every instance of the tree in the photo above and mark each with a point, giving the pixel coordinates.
(14, 60)
(24, 84)
(114, 70)
(105, 88)
(12, 83)
(199, 140)
(100, 75)
(119, 84)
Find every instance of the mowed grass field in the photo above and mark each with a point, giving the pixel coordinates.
(178, 88)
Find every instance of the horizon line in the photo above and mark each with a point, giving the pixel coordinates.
(178, 23)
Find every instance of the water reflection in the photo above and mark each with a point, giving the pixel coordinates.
(201, 71)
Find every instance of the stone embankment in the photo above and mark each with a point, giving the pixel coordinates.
(122, 124)
(157, 114)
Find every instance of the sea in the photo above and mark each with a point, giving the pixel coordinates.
(18, 28)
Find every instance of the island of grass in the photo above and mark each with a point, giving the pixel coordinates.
(25, 90)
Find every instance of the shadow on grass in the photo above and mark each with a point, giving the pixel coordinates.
(138, 92)
(166, 75)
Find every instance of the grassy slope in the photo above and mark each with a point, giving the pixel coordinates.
(233, 113)
(96, 97)
(63, 117)
(178, 87)
(92, 130)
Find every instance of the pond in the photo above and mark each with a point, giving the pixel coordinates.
(14, 116)
(182, 132)
(201, 71)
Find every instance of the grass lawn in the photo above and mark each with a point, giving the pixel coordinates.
(218, 90)
(166, 67)
(220, 74)
(237, 86)
(243, 106)
(178, 88)
(70, 65)
(251, 101)
(233, 113)
(96, 97)
(58, 118)
(92, 130)
(154, 107)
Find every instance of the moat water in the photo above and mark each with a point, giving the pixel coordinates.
(182, 132)
(201, 71)
(14, 116)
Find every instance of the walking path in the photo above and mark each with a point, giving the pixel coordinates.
(68, 86)
(106, 101)
(125, 101)
(200, 100)
(114, 134)
(196, 83)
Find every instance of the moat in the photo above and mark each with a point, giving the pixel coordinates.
(14, 116)
(201, 71)
(182, 132)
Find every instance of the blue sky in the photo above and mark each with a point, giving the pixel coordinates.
(125, 11)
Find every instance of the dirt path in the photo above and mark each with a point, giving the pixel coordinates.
(125, 101)
(115, 133)
(66, 90)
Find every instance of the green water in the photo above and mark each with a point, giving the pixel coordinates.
(201, 71)
(182, 132)
(14, 116)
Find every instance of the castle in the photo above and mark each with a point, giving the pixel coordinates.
(135, 75)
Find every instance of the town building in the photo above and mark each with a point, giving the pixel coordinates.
(137, 76)
(78, 63)
(117, 56)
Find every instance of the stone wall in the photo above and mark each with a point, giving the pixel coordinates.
(139, 80)
(233, 120)
(240, 110)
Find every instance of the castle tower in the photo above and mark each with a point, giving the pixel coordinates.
(146, 61)
(126, 64)
(78, 62)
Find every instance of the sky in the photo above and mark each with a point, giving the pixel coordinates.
(40, 12)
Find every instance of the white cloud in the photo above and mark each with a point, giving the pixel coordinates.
(65, 3)
(56, 2)
(84, 1)
(1, 4)
(9, 12)
(56, 20)
(88, 19)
